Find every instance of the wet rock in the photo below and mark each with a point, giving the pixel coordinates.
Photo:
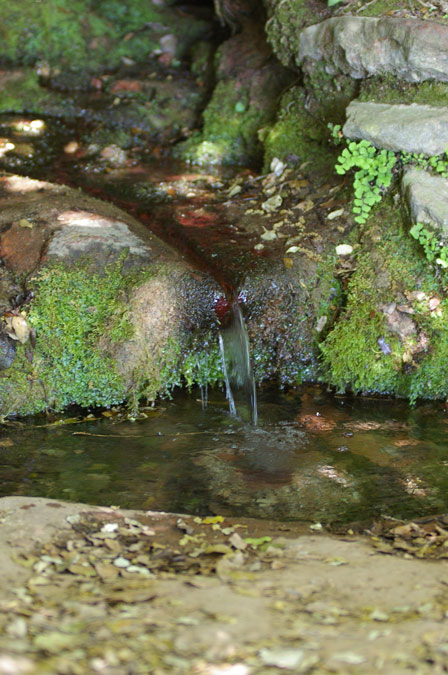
(7, 350)
(164, 104)
(21, 246)
(116, 312)
(427, 199)
(411, 128)
(412, 49)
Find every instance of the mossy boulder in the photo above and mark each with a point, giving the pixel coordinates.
(244, 100)
(81, 36)
(110, 313)
(298, 135)
(392, 336)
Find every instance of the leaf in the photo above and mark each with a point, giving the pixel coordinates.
(18, 328)
(257, 541)
(272, 204)
(210, 520)
(279, 657)
(55, 641)
(23, 222)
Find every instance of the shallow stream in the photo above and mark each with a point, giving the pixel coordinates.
(312, 457)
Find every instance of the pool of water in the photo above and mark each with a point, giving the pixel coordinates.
(312, 458)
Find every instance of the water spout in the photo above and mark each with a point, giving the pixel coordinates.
(238, 374)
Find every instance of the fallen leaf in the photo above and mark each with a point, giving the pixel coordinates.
(272, 204)
(335, 214)
(23, 222)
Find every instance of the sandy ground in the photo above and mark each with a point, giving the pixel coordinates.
(309, 603)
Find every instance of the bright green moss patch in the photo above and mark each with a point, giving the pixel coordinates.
(365, 353)
(72, 312)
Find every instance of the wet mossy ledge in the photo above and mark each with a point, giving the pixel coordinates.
(90, 350)
(392, 336)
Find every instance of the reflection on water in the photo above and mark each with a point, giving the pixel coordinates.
(311, 458)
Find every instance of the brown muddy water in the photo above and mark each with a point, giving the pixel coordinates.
(312, 457)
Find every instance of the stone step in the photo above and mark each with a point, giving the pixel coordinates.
(410, 128)
(411, 49)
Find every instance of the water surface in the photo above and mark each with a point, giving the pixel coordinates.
(311, 458)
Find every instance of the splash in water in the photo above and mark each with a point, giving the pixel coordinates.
(239, 378)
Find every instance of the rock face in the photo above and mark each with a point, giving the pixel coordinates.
(408, 128)
(360, 47)
(113, 311)
(427, 198)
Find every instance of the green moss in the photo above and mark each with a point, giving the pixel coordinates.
(22, 92)
(352, 356)
(296, 132)
(286, 19)
(351, 350)
(183, 361)
(230, 129)
(71, 313)
(401, 8)
(390, 89)
(79, 34)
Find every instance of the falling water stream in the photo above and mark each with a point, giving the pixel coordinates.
(239, 378)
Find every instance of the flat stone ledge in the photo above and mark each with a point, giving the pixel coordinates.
(427, 199)
(413, 50)
(411, 128)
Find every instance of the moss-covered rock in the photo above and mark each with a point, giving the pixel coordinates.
(243, 101)
(286, 18)
(129, 109)
(298, 135)
(114, 313)
(78, 35)
(392, 337)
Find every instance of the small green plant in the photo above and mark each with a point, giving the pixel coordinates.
(372, 177)
(434, 250)
(437, 163)
(374, 169)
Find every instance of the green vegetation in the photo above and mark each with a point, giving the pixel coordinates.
(373, 174)
(81, 35)
(393, 90)
(369, 352)
(298, 133)
(374, 170)
(71, 313)
(286, 20)
(434, 250)
(230, 129)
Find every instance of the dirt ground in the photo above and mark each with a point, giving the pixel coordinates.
(111, 591)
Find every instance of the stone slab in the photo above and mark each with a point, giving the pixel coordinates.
(411, 49)
(427, 198)
(411, 128)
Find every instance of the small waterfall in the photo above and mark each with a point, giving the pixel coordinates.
(239, 378)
